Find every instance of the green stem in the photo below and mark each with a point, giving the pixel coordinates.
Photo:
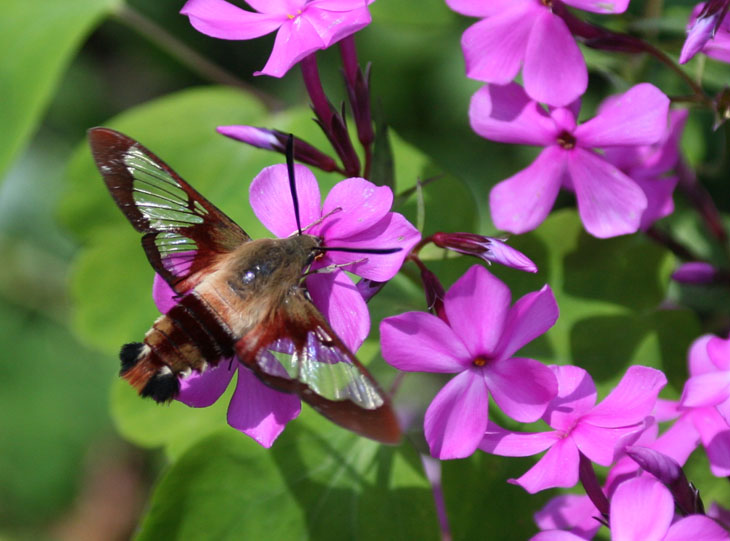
(187, 56)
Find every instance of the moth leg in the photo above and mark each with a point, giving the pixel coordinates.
(334, 267)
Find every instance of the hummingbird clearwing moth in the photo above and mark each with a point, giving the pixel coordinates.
(236, 296)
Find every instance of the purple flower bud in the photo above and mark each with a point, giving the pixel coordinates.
(695, 272)
(669, 472)
(276, 140)
(369, 288)
(489, 249)
(434, 291)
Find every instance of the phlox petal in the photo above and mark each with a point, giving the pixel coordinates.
(163, 295)
(699, 357)
(521, 202)
(505, 113)
(494, 47)
(659, 202)
(602, 444)
(223, 20)
(576, 396)
(631, 400)
(679, 440)
(715, 436)
(530, 317)
(363, 205)
(557, 535)
(202, 390)
(393, 231)
(554, 71)
(498, 441)
(522, 388)
(570, 511)
(282, 7)
(557, 468)
(609, 202)
(337, 297)
(271, 199)
(698, 34)
(420, 342)
(295, 39)
(706, 390)
(637, 117)
(259, 411)
(629, 518)
(504, 254)
(599, 6)
(696, 527)
(457, 417)
(719, 352)
(331, 25)
(476, 306)
(479, 8)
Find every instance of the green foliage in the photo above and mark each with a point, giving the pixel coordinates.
(53, 394)
(316, 482)
(38, 40)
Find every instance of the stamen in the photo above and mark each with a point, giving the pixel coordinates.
(566, 140)
(479, 361)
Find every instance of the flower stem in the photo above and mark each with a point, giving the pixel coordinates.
(187, 56)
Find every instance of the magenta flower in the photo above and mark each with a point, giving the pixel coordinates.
(527, 33)
(355, 214)
(477, 345)
(609, 202)
(600, 432)
(697, 416)
(643, 508)
(708, 31)
(302, 26)
(255, 409)
(649, 166)
(574, 513)
(709, 384)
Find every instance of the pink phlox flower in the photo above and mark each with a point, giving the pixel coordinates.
(643, 508)
(573, 513)
(477, 345)
(255, 409)
(720, 514)
(600, 432)
(527, 34)
(709, 384)
(708, 30)
(609, 202)
(649, 166)
(302, 26)
(697, 418)
(355, 214)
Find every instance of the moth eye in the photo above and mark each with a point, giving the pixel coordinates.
(248, 277)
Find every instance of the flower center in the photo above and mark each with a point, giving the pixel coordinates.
(566, 140)
(297, 14)
(480, 361)
(547, 3)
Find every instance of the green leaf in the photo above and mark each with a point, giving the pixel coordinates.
(53, 393)
(38, 40)
(317, 482)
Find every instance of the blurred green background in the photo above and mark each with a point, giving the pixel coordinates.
(80, 454)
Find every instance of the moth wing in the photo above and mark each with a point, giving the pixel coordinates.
(297, 351)
(185, 235)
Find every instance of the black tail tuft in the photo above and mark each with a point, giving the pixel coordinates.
(162, 387)
(129, 356)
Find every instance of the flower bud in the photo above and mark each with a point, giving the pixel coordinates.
(489, 249)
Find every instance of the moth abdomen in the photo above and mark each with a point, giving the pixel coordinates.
(162, 387)
(189, 337)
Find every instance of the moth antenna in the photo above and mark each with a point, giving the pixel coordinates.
(292, 180)
(358, 250)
